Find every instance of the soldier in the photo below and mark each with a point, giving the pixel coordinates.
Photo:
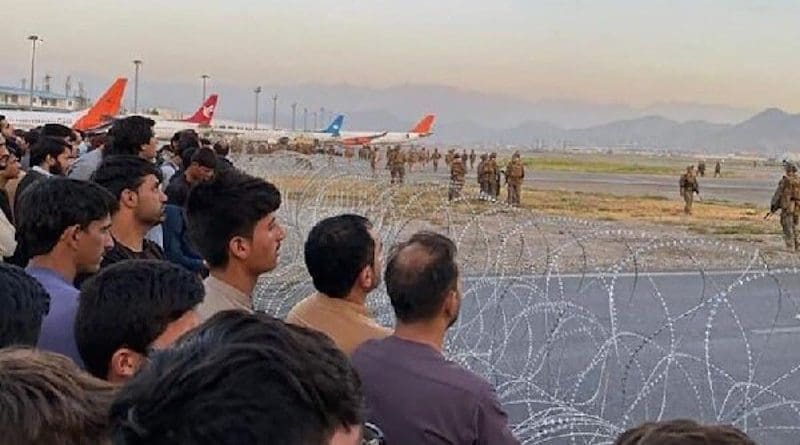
(493, 173)
(785, 198)
(718, 170)
(373, 159)
(688, 187)
(331, 153)
(483, 178)
(472, 159)
(448, 158)
(435, 158)
(398, 166)
(457, 173)
(701, 168)
(515, 173)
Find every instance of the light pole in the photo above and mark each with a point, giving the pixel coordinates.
(137, 63)
(321, 116)
(205, 77)
(257, 91)
(33, 39)
(294, 115)
(314, 115)
(275, 112)
(305, 119)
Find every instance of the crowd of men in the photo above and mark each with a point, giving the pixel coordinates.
(126, 314)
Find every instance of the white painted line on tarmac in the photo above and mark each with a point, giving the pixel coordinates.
(786, 330)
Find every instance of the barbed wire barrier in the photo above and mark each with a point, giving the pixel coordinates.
(586, 328)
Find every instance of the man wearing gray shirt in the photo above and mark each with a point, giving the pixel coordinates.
(413, 393)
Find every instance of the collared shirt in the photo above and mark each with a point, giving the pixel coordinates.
(347, 324)
(42, 171)
(417, 396)
(58, 326)
(221, 296)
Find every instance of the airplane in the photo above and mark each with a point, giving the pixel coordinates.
(200, 120)
(108, 105)
(421, 130)
(247, 133)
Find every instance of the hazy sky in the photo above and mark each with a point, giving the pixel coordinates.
(736, 52)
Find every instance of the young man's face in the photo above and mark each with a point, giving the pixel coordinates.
(150, 201)
(6, 129)
(61, 163)
(265, 244)
(188, 321)
(9, 165)
(149, 150)
(92, 243)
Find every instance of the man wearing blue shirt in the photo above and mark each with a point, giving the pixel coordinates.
(63, 227)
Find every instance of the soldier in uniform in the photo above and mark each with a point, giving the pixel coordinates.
(515, 173)
(483, 178)
(448, 158)
(786, 199)
(435, 158)
(472, 159)
(701, 168)
(688, 187)
(372, 152)
(718, 170)
(398, 166)
(457, 173)
(493, 171)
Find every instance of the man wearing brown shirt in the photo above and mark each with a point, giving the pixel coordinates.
(343, 257)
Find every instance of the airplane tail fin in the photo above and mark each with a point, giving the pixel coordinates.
(105, 108)
(425, 125)
(336, 126)
(205, 113)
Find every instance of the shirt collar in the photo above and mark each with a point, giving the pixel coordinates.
(38, 169)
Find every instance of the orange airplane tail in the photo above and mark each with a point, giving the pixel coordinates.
(425, 125)
(105, 108)
(205, 113)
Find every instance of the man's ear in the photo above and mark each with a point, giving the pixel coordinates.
(239, 247)
(129, 198)
(71, 235)
(123, 365)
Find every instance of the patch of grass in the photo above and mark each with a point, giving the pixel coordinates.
(599, 166)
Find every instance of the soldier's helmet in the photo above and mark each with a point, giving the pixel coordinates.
(493, 155)
(515, 155)
(484, 156)
(690, 168)
(790, 167)
(457, 155)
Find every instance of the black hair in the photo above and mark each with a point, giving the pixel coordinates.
(32, 137)
(205, 157)
(336, 251)
(124, 172)
(222, 148)
(47, 146)
(129, 304)
(47, 208)
(127, 135)
(229, 205)
(419, 274)
(188, 139)
(240, 378)
(23, 305)
(57, 131)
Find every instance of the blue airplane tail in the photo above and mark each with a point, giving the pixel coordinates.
(335, 126)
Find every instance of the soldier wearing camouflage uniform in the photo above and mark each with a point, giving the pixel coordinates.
(435, 158)
(483, 178)
(786, 199)
(472, 159)
(372, 153)
(493, 172)
(398, 166)
(457, 173)
(448, 158)
(515, 173)
(688, 187)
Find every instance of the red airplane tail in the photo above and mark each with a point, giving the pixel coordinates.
(205, 113)
(105, 108)
(425, 125)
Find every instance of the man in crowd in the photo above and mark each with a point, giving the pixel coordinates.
(232, 222)
(49, 157)
(343, 256)
(688, 187)
(200, 164)
(515, 174)
(63, 227)
(398, 166)
(7, 131)
(222, 149)
(9, 170)
(130, 308)
(46, 399)
(171, 164)
(136, 184)
(483, 177)
(787, 199)
(492, 172)
(413, 393)
(684, 432)
(242, 379)
(23, 305)
(132, 135)
(435, 158)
